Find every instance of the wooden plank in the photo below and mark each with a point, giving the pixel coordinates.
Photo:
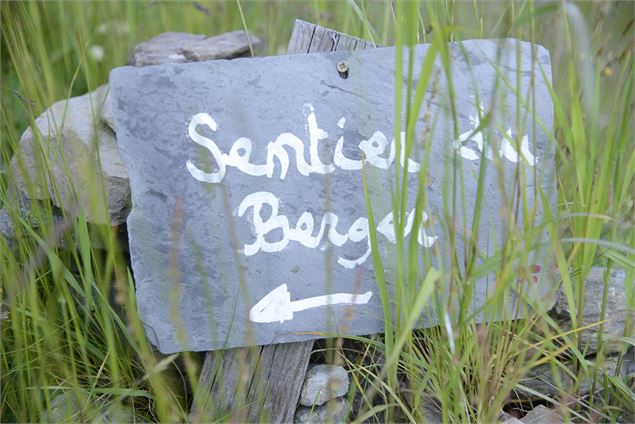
(309, 38)
(263, 383)
(275, 390)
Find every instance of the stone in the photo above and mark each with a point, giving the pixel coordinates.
(512, 420)
(63, 407)
(4, 310)
(22, 206)
(207, 155)
(67, 407)
(162, 48)
(70, 136)
(116, 414)
(542, 415)
(7, 231)
(505, 417)
(181, 47)
(616, 310)
(107, 114)
(541, 378)
(432, 413)
(626, 417)
(323, 383)
(628, 363)
(225, 46)
(331, 412)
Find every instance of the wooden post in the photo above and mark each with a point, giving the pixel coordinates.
(309, 38)
(263, 383)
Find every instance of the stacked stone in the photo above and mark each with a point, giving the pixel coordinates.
(322, 396)
(77, 137)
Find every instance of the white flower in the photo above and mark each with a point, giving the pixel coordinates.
(96, 52)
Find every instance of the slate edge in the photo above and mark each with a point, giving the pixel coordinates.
(117, 75)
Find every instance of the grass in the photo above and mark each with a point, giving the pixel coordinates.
(72, 325)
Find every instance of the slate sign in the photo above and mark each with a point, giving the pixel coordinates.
(249, 223)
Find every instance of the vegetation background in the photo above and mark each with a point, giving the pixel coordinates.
(69, 323)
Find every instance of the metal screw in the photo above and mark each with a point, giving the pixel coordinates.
(342, 68)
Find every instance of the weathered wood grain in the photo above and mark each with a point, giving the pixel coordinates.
(263, 383)
(310, 38)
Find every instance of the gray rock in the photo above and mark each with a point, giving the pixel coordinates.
(224, 46)
(181, 47)
(626, 417)
(432, 414)
(505, 417)
(541, 378)
(64, 407)
(616, 310)
(115, 414)
(163, 48)
(7, 232)
(82, 155)
(512, 420)
(19, 207)
(322, 383)
(331, 412)
(628, 363)
(67, 407)
(542, 415)
(107, 114)
(4, 310)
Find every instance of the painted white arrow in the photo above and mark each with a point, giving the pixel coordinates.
(277, 305)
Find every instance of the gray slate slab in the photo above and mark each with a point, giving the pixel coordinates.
(200, 265)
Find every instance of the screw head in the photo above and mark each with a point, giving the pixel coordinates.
(342, 67)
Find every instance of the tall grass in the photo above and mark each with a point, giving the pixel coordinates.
(72, 325)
